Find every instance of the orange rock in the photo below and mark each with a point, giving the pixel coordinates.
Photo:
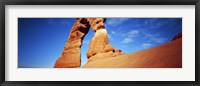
(168, 55)
(98, 23)
(99, 45)
(177, 36)
(70, 57)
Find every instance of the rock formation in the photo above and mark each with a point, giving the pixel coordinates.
(168, 55)
(99, 47)
(101, 54)
(177, 36)
(70, 57)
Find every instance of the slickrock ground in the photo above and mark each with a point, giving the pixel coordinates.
(168, 55)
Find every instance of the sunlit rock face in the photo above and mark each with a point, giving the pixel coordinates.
(70, 57)
(168, 55)
(99, 46)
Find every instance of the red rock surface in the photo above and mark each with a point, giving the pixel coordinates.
(168, 55)
(70, 57)
(99, 46)
(177, 36)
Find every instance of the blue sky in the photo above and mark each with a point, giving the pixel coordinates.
(41, 40)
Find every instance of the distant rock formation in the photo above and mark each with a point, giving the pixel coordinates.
(177, 36)
(70, 57)
(99, 46)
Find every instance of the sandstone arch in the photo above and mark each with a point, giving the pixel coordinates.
(70, 57)
(101, 54)
(99, 44)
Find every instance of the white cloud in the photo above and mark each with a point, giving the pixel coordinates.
(130, 35)
(146, 45)
(155, 23)
(110, 37)
(115, 21)
(155, 37)
(148, 35)
(127, 40)
(113, 32)
(133, 33)
(118, 33)
(158, 40)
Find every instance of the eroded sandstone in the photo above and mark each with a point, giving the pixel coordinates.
(168, 55)
(70, 57)
(99, 46)
(101, 54)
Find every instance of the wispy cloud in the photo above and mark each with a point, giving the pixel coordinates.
(130, 36)
(155, 37)
(113, 32)
(155, 23)
(159, 40)
(115, 21)
(110, 37)
(127, 40)
(146, 45)
(133, 33)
